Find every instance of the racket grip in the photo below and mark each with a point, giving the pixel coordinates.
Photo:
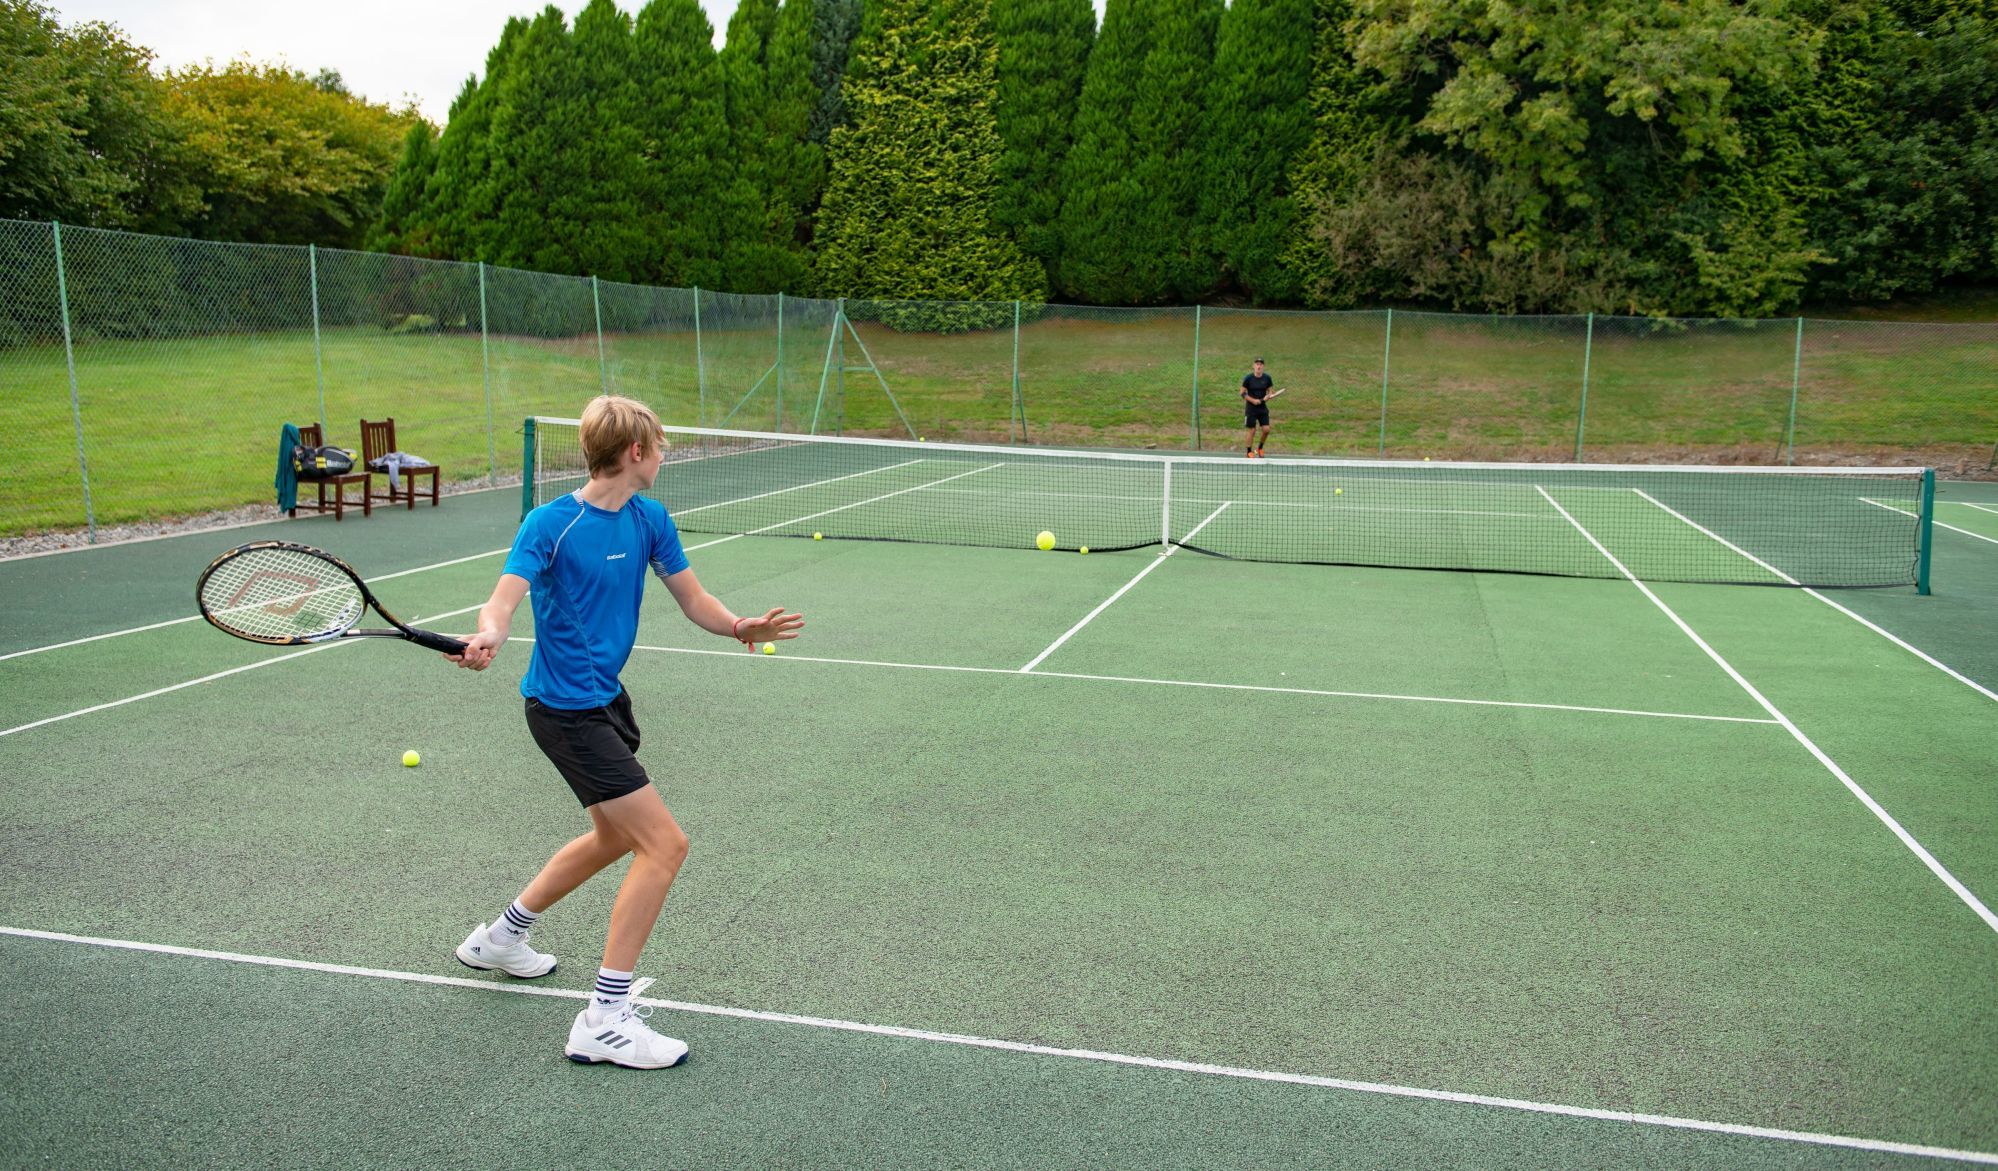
(436, 642)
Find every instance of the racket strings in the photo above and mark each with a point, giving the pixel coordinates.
(281, 594)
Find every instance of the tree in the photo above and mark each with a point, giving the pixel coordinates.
(834, 25)
(1043, 55)
(531, 150)
(1356, 125)
(461, 197)
(682, 122)
(612, 185)
(86, 135)
(282, 160)
(402, 227)
(1257, 121)
(1131, 178)
(908, 206)
(775, 170)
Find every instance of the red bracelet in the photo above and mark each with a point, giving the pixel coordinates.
(735, 632)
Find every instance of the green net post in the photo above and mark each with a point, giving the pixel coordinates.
(1019, 416)
(75, 408)
(1196, 378)
(603, 373)
(486, 377)
(527, 467)
(1796, 373)
(1582, 414)
(778, 424)
(1387, 349)
(318, 365)
(1926, 529)
(700, 368)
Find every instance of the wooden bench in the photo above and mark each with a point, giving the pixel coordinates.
(312, 436)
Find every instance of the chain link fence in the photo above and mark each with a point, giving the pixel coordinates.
(143, 377)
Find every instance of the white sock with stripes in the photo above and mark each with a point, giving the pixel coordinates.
(511, 927)
(613, 993)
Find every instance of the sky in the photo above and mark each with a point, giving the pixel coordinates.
(386, 50)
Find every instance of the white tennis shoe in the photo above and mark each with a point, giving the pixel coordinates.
(623, 1038)
(479, 951)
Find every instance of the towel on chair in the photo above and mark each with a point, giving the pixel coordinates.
(393, 463)
(287, 480)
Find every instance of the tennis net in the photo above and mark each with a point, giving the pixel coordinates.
(1826, 527)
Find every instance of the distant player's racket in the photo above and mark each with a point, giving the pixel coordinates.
(282, 594)
(1279, 390)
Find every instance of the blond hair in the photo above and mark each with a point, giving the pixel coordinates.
(611, 424)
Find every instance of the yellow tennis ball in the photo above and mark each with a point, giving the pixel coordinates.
(818, 536)
(1338, 491)
(1084, 549)
(769, 648)
(410, 759)
(1425, 459)
(1045, 541)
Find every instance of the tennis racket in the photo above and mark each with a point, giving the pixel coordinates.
(283, 594)
(1279, 390)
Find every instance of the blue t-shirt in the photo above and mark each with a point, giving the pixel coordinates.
(586, 568)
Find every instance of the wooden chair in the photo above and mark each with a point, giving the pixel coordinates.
(311, 436)
(377, 440)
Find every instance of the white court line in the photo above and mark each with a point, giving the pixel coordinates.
(1937, 523)
(1154, 499)
(1916, 651)
(1552, 707)
(196, 617)
(1086, 618)
(1663, 1121)
(1907, 839)
(221, 674)
(856, 504)
(1968, 504)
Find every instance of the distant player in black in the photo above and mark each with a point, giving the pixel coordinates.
(1256, 394)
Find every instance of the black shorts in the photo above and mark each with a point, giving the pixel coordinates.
(1253, 416)
(591, 748)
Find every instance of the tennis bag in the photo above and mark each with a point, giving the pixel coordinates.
(320, 463)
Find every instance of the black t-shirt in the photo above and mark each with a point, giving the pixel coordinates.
(1255, 386)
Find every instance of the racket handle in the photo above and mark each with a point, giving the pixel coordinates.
(436, 642)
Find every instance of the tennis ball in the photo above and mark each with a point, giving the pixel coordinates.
(1045, 541)
(1085, 549)
(769, 648)
(818, 536)
(410, 759)
(1338, 491)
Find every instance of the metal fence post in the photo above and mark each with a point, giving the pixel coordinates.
(486, 377)
(779, 424)
(1196, 378)
(1387, 349)
(318, 365)
(75, 408)
(1019, 415)
(1796, 371)
(1582, 415)
(596, 302)
(700, 369)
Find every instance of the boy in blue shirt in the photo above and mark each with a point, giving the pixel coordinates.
(585, 556)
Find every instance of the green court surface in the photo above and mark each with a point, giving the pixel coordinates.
(1022, 859)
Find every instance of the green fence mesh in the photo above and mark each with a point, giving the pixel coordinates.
(190, 355)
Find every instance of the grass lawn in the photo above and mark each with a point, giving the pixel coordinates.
(189, 425)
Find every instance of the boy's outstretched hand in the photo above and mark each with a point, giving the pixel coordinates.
(774, 626)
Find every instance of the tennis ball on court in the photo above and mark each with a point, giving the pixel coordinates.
(818, 536)
(410, 759)
(1045, 541)
(769, 648)
(1085, 549)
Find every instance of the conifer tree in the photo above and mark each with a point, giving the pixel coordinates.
(1131, 181)
(908, 206)
(1256, 122)
(682, 124)
(531, 150)
(834, 25)
(1043, 54)
(401, 227)
(461, 195)
(603, 207)
(766, 77)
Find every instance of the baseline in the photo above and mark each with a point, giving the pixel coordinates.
(1667, 1121)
